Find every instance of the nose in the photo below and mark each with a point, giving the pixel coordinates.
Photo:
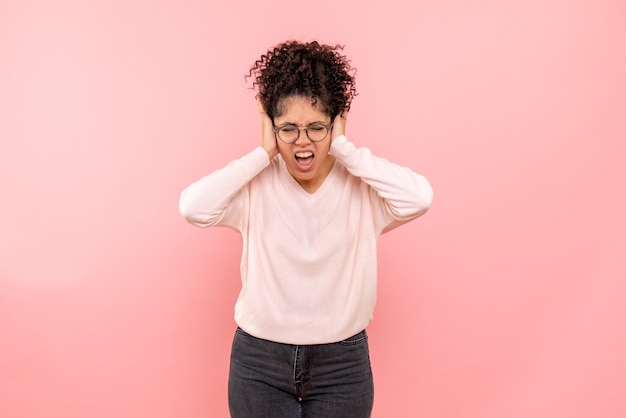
(303, 137)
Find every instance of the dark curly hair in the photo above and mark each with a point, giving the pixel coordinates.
(308, 69)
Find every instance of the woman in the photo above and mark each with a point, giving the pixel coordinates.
(310, 207)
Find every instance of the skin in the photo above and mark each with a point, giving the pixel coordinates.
(301, 112)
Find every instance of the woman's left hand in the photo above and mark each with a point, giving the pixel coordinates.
(339, 124)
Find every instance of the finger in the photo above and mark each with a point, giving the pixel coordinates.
(260, 106)
(267, 128)
(345, 110)
(339, 126)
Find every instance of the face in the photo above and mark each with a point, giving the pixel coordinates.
(308, 162)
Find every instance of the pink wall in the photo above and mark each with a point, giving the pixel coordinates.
(506, 300)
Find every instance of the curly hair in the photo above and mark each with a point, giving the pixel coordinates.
(308, 69)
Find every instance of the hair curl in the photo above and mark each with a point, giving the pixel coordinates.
(308, 69)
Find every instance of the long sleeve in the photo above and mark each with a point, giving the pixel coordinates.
(205, 202)
(308, 264)
(406, 194)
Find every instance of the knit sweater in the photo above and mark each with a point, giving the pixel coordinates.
(308, 265)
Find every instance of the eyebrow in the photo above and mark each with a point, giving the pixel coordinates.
(317, 122)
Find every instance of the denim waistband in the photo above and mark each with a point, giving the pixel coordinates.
(356, 338)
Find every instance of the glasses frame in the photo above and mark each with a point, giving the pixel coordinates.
(306, 129)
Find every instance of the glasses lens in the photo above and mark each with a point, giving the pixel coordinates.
(288, 133)
(317, 132)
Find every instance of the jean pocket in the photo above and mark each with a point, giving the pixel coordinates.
(360, 338)
(243, 333)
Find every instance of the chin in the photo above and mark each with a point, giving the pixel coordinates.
(310, 175)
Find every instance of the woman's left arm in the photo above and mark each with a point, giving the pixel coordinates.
(407, 194)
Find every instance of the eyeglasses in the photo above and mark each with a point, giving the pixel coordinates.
(316, 132)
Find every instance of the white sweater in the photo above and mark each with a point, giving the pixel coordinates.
(308, 265)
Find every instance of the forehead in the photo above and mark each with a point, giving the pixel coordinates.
(299, 109)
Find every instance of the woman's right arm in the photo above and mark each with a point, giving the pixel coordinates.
(210, 200)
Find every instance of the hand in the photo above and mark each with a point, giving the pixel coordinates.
(269, 137)
(339, 124)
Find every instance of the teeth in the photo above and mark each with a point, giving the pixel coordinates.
(304, 154)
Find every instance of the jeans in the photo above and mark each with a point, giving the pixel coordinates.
(275, 380)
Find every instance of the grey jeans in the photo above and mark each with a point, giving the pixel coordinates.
(275, 380)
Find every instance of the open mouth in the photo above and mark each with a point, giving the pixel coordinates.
(304, 159)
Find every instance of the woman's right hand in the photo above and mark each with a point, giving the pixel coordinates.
(269, 136)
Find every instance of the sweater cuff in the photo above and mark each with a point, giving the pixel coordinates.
(339, 145)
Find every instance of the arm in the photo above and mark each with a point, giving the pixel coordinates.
(407, 195)
(205, 202)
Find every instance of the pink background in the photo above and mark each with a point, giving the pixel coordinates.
(506, 300)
